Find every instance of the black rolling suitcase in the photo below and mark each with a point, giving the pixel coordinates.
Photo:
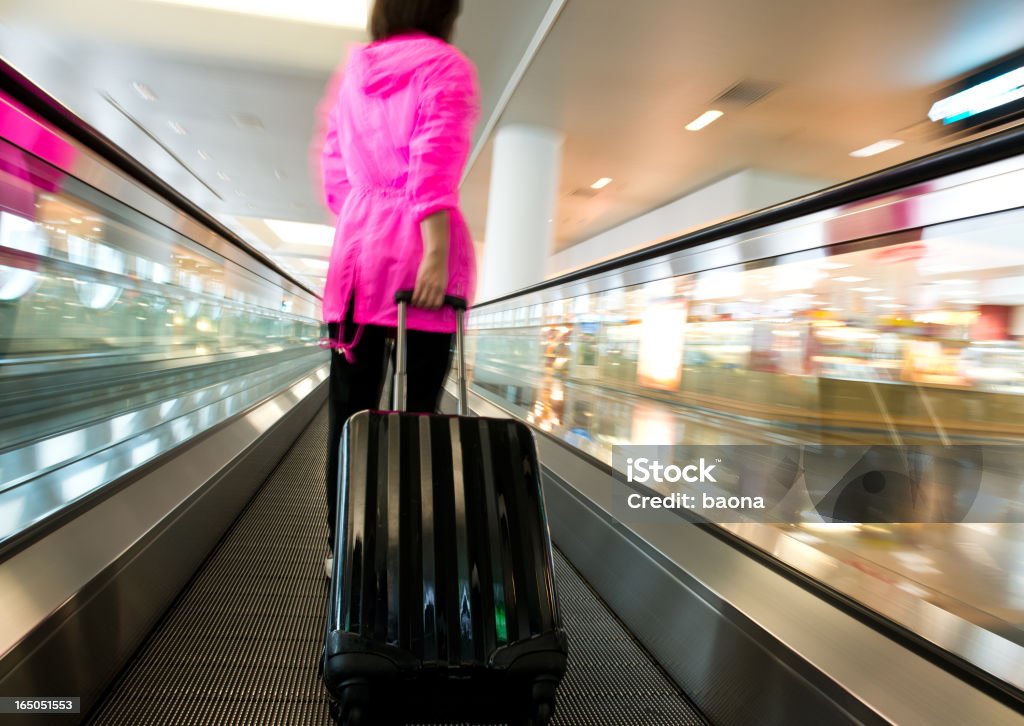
(442, 601)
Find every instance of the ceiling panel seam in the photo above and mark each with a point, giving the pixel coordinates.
(546, 24)
(142, 127)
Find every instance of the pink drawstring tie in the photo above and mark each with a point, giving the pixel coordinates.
(347, 349)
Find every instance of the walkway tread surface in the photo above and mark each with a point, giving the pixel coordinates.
(241, 644)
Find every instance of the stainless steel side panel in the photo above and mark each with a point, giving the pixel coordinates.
(77, 603)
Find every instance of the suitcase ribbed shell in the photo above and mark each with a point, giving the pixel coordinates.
(443, 542)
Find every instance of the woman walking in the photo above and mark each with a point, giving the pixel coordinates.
(398, 136)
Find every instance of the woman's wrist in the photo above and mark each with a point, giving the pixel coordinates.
(436, 255)
(435, 229)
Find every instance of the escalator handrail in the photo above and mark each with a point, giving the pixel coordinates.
(996, 147)
(24, 91)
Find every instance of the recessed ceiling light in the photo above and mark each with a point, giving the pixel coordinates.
(204, 155)
(852, 278)
(942, 269)
(703, 120)
(339, 13)
(301, 233)
(601, 183)
(247, 120)
(315, 264)
(178, 128)
(867, 289)
(877, 148)
(144, 91)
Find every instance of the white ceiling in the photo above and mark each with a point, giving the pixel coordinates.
(619, 79)
(621, 83)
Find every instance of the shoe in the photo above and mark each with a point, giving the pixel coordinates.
(328, 566)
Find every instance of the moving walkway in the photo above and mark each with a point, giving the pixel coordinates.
(160, 523)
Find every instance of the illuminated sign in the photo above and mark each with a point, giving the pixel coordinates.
(660, 358)
(986, 98)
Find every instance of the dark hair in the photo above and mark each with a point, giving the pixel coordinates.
(433, 17)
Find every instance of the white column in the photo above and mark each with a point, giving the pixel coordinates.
(521, 208)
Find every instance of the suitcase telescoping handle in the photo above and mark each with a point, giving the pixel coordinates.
(403, 298)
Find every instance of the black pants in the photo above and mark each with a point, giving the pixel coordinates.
(357, 386)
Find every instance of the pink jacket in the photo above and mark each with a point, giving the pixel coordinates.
(397, 140)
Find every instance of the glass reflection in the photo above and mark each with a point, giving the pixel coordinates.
(18, 233)
(915, 339)
(106, 318)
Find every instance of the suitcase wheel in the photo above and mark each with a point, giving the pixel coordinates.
(353, 706)
(542, 713)
(540, 705)
(352, 716)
